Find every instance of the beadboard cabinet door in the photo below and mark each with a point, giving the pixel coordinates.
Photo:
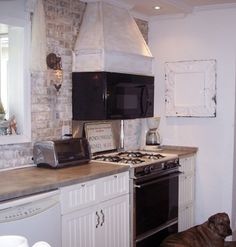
(116, 226)
(106, 225)
(96, 213)
(79, 228)
(186, 192)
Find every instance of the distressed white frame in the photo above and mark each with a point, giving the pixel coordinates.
(191, 88)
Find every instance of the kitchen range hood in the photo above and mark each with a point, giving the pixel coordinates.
(110, 40)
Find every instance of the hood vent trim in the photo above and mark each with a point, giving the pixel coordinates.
(110, 40)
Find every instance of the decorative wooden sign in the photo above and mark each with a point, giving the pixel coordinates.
(100, 136)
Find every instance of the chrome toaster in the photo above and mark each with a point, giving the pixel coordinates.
(61, 153)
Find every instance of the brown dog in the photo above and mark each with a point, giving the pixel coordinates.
(212, 233)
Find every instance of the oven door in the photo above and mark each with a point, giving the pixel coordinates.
(156, 208)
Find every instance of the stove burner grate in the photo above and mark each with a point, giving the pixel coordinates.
(131, 161)
(109, 158)
(131, 154)
(118, 159)
(152, 156)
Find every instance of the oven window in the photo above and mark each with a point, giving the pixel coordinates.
(156, 203)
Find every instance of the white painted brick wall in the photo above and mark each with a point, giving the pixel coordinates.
(51, 112)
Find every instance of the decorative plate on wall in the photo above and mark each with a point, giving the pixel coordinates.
(191, 88)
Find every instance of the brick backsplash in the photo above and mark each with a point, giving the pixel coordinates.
(50, 111)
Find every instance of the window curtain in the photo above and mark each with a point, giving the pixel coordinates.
(38, 39)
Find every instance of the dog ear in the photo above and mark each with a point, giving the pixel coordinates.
(211, 222)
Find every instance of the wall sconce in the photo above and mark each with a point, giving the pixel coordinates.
(54, 63)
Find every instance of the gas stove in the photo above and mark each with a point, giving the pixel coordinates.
(142, 163)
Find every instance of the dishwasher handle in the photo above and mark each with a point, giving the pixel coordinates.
(28, 199)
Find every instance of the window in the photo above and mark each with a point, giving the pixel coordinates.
(14, 72)
(3, 66)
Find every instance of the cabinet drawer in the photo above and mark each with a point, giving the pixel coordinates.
(187, 165)
(115, 185)
(79, 196)
(86, 194)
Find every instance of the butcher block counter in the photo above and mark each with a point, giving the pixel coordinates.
(31, 180)
(181, 151)
(21, 182)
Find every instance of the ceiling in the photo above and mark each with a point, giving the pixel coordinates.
(146, 9)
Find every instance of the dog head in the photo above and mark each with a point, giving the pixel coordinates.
(220, 224)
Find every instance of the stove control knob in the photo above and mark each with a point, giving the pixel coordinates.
(166, 166)
(151, 168)
(146, 169)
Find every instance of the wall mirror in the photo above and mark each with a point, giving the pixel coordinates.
(191, 88)
(14, 77)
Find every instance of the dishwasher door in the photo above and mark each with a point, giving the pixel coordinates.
(35, 217)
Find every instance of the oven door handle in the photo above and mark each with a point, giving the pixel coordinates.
(173, 175)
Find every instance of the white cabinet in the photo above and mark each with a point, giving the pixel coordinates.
(186, 192)
(96, 213)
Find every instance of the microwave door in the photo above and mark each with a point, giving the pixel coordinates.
(128, 100)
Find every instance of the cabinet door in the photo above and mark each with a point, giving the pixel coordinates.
(186, 193)
(186, 189)
(115, 222)
(80, 228)
(186, 217)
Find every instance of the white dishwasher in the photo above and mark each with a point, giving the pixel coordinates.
(36, 217)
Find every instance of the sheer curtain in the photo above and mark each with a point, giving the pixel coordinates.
(38, 40)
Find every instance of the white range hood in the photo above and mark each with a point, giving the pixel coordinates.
(110, 40)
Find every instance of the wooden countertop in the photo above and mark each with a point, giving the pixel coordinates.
(181, 151)
(27, 181)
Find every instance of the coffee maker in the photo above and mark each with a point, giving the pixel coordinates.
(153, 138)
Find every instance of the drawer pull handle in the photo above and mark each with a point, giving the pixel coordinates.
(103, 217)
(98, 219)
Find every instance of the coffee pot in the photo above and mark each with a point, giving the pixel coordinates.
(152, 135)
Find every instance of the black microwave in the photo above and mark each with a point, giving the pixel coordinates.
(109, 95)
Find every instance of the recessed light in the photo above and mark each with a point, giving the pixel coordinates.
(157, 7)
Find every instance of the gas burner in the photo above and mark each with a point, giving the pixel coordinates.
(153, 156)
(117, 159)
(109, 158)
(131, 161)
(131, 154)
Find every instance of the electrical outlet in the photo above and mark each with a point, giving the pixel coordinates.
(65, 130)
